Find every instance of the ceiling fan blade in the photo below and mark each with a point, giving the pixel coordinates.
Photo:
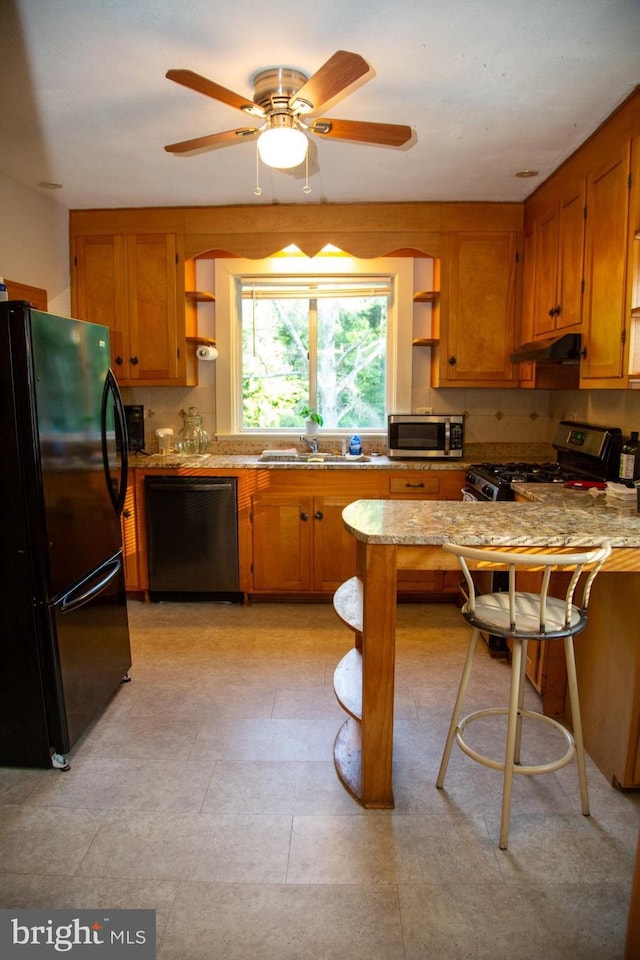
(386, 134)
(212, 140)
(210, 89)
(339, 72)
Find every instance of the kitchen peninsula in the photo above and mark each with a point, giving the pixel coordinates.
(393, 536)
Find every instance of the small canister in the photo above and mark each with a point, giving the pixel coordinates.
(164, 435)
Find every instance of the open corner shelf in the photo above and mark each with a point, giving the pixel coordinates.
(200, 296)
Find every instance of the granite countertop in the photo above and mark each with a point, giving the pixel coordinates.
(175, 461)
(569, 518)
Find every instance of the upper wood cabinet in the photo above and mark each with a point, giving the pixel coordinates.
(606, 252)
(134, 285)
(477, 310)
(558, 265)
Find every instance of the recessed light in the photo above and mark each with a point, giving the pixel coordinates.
(523, 174)
(50, 185)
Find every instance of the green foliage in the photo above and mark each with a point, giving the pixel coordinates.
(350, 352)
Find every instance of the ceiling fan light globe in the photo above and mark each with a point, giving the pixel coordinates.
(282, 147)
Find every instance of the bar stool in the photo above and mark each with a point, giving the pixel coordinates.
(522, 617)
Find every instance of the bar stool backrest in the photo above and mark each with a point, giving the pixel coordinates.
(529, 614)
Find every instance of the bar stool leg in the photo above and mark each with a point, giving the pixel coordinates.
(574, 700)
(522, 679)
(514, 721)
(457, 710)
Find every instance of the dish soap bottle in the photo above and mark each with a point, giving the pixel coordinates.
(629, 460)
(355, 446)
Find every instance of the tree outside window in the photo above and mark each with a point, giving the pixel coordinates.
(321, 345)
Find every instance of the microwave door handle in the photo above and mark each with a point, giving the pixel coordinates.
(447, 437)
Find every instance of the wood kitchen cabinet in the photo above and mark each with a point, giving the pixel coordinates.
(132, 284)
(299, 543)
(130, 542)
(606, 249)
(477, 311)
(426, 485)
(559, 266)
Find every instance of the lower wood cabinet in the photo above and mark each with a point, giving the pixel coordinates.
(292, 541)
(130, 545)
(299, 542)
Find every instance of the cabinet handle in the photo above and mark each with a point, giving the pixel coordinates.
(583, 353)
(452, 361)
(119, 361)
(133, 361)
(304, 516)
(416, 486)
(319, 515)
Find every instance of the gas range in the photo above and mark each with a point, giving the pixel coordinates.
(584, 452)
(493, 480)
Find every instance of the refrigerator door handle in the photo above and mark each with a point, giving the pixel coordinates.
(91, 586)
(111, 391)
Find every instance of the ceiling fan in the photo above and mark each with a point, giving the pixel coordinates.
(284, 101)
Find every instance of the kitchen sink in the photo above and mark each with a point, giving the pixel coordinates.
(311, 458)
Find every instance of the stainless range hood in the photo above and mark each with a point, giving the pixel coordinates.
(560, 349)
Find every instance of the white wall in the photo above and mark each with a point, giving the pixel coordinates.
(34, 242)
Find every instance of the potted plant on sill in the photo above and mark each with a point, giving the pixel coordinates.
(313, 419)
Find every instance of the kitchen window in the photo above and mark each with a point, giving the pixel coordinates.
(300, 336)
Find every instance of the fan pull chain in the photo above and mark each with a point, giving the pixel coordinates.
(257, 190)
(306, 188)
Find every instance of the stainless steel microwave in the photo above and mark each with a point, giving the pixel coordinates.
(421, 436)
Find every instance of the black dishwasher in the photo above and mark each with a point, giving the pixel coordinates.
(192, 538)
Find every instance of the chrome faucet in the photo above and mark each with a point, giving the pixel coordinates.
(311, 442)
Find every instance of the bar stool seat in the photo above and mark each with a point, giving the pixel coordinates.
(521, 617)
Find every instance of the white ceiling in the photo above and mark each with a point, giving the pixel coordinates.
(489, 86)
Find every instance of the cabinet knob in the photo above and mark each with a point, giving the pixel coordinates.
(583, 353)
(126, 514)
(319, 515)
(452, 361)
(304, 516)
(119, 361)
(551, 311)
(133, 361)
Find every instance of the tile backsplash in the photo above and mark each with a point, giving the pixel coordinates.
(492, 416)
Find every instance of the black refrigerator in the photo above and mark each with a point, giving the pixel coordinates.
(64, 635)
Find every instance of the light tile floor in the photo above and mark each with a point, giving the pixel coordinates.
(207, 791)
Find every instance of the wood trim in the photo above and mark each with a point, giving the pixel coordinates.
(36, 296)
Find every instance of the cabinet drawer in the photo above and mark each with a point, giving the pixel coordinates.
(421, 485)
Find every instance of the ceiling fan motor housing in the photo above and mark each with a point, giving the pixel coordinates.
(274, 89)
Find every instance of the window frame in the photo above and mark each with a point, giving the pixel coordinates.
(228, 273)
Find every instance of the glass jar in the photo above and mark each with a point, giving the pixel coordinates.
(193, 438)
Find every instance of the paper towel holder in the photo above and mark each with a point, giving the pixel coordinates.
(205, 347)
(204, 352)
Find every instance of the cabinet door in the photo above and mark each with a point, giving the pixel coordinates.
(546, 256)
(282, 530)
(334, 548)
(571, 231)
(154, 347)
(605, 269)
(98, 293)
(478, 310)
(130, 550)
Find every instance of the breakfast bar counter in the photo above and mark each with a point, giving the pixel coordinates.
(408, 535)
